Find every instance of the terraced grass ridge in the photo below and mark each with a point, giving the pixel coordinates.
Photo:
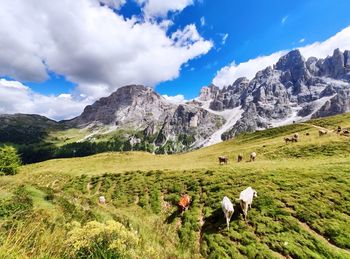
(51, 209)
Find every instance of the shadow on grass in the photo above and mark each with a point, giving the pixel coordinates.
(170, 219)
(216, 222)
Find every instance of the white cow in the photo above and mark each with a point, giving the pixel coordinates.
(246, 199)
(102, 200)
(227, 208)
(252, 157)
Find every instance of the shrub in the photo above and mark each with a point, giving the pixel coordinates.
(99, 240)
(9, 160)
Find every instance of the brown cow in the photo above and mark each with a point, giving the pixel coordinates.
(338, 130)
(223, 160)
(184, 203)
(239, 158)
(296, 137)
(288, 139)
(345, 133)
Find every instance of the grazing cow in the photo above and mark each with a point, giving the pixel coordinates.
(239, 158)
(296, 137)
(223, 160)
(345, 133)
(288, 139)
(307, 134)
(102, 200)
(246, 199)
(322, 132)
(252, 157)
(184, 203)
(293, 138)
(338, 129)
(227, 208)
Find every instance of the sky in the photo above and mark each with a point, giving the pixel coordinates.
(58, 56)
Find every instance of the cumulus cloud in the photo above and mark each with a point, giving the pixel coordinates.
(18, 98)
(91, 45)
(228, 74)
(161, 8)
(177, 99)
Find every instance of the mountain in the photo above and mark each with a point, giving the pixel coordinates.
(294, 89)
(138, 109)
(25, 128)
(135, 117)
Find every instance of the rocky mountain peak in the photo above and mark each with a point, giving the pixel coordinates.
(294, 65)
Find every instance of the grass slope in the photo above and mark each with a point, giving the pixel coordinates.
(302, 209)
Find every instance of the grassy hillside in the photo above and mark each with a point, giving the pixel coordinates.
(302, 209)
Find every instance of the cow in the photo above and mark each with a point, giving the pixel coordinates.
(252, 157)
(288, 139)
(239, 158)
(246, 199)
(102, 200)
(296, 137)
(227, 208)
(338, 129)
(345, 133)
(293, 138)
(223, 160)
(184, 203)
(322, 132)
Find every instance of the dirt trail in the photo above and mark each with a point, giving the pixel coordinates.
(88, 187)
(98, 187)
(317, 127)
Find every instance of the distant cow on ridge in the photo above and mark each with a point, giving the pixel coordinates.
(252, 157)
(223, 160)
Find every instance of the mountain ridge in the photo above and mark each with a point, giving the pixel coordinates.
(293, 89)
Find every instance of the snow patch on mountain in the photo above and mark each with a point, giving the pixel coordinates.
(231, 116)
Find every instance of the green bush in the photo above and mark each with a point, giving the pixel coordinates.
(9, 160)
(99, 240)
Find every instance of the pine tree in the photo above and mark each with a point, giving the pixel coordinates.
(9, 160)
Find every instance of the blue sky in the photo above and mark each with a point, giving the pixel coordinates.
(66, 54)
(255, 28)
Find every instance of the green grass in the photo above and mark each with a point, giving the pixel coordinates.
(302, 209)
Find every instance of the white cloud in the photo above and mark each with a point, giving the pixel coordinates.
(202, 20)
(302, 40)
(177, 99)
(284, 19)
(161, 8)
(224, 38)
(116, 4)
(228, 74)
(91, 45)
(18, 98)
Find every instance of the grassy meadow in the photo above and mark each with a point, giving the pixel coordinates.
(51, 210)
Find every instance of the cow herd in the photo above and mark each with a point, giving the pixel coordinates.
(223, 160)
(245, 201)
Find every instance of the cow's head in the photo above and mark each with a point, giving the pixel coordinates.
(255, 193)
